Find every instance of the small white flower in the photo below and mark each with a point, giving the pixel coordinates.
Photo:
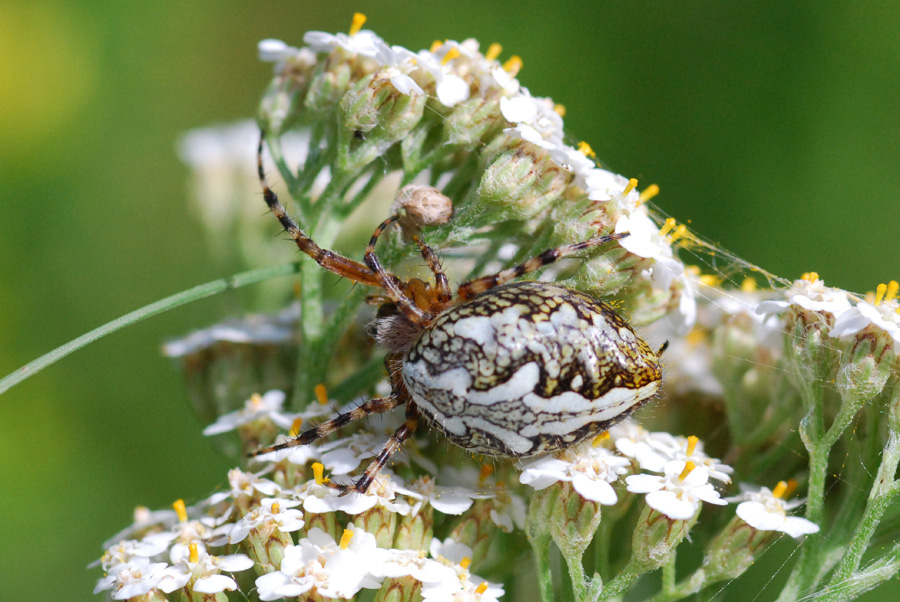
(529, 134)
(447, 500)
(133, 553)
(205, 569)
(460, 586)
(811, 294)
(275, 513)
(883, 316)
(363, 42)
(765, 511)
(589, 468)
(273, 51)
(258, 407)
(132, 580)
(318, 498)
(450, 88)
(318, 562)
(644, 240)
(677, 494)
(399, 563)
(396, 63)
(243, 486)
(670, 447)
(471, 589)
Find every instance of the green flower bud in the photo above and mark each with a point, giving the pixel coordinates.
(734, 549)
(399, 589)
(265, 546)
(473, 121)
(414, 531)
(655, 538)
(328, 84)
(373, 116)
(520, 183)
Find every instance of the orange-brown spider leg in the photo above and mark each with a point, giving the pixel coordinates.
(440, 279)
(338, 264)
(479, 285)
(376, 405)
(392, 446)
(389, 283)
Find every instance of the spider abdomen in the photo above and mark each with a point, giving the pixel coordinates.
(528, 368)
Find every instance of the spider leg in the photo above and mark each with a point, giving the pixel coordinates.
(440, 279)
(479, 285)
(376, 405)
(338, 264)
(392, 446)
(389, 283)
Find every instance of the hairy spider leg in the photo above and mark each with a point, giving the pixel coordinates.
(337, 264)
(479, 285)
(388, 282)
(392, 446)
(434, 264)
(376, 405)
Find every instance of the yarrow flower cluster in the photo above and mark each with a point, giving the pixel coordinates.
(480, 166)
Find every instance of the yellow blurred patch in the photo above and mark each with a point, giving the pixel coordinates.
(48, 68)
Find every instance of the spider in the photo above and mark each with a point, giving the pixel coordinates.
(502, 368)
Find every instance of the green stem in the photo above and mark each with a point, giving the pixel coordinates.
(812, 432)
(193, 294)
(622, 581)
(668, 574)
(882, 494)
(686, 588)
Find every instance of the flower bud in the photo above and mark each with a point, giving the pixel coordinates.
(328, 84)
(518, 184)
(373, 116)
(655, 538)
(414, 530)
(573, 522)
(734, 549)
(472, 121)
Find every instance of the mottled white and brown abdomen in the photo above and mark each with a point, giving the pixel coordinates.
(528, 368)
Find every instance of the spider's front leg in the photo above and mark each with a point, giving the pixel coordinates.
(329, 260)
(471, 288)
(376, 405)
(392, 446)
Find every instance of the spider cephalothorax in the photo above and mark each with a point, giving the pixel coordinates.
(502, 368)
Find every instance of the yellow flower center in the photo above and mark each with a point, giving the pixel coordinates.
(193, 554)
(493, 51)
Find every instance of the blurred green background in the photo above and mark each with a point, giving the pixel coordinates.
(772, 127)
